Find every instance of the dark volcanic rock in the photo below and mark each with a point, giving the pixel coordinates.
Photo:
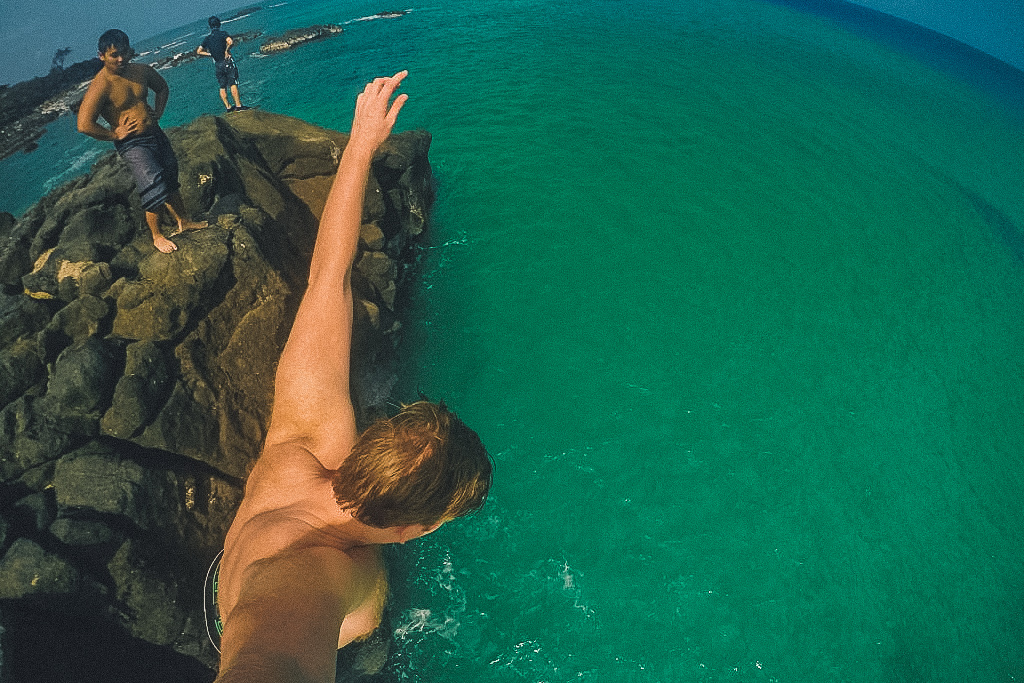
(135, 386)
(28, 570)
(299, 36)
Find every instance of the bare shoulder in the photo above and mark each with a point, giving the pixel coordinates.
(95, 98)
(99, 85)
(287, 616)
(286, 476)
(290, 463)
(276, 546)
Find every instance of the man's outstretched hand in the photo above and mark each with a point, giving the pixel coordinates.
(376, 113)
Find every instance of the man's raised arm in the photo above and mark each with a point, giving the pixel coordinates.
(312, 404)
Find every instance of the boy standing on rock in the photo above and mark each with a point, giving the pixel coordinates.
(119, 93)
(218, 45)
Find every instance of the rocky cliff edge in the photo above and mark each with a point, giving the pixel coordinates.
(135, 387)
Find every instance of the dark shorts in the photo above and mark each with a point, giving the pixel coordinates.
(226, 72)
(154, 167)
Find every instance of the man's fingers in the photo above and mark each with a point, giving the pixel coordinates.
(395, 108)
(385, 85)
(393, 82)
(376, 113)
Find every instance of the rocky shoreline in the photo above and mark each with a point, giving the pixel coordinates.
(135, 386)
(27, 107)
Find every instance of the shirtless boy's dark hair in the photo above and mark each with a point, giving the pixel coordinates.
(422, 466)
(115, 38)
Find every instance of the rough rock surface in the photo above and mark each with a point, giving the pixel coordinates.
(135, 386)
(300, 36)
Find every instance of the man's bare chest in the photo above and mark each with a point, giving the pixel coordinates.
(124, 94)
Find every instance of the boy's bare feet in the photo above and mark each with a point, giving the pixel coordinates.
(163, 244)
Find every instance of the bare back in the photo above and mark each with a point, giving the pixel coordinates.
(289, 517)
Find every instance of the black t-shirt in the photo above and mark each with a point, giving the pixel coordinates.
(216, 44)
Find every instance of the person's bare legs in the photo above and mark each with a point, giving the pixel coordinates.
(234, 93)
(159, 241)
(176, 207)
(224, 96)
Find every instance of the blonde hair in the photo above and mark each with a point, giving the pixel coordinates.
(422, 466)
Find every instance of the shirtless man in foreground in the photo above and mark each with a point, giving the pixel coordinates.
(301, 574)
(119, 94)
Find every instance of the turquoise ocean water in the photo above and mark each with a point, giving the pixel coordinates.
(733, 292)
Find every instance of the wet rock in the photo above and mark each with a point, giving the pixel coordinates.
(38, 510)
(20, 316)
(147, 593)
(81, 531)
(31, 436)
(21, 367)
(81, 380)
(6, 224)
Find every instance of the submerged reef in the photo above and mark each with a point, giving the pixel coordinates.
(136, 386)
(300, 36)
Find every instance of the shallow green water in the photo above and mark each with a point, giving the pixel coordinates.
(734, 297)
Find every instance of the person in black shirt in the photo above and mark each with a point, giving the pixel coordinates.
(218, 45)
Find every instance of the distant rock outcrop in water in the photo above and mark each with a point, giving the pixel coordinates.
(135, 386)
(300, 36)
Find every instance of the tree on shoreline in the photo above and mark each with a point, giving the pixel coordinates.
(58, 60)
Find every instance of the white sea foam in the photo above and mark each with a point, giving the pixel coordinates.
(228, 21)
(420, 620)
(76, 166)
(379, 16)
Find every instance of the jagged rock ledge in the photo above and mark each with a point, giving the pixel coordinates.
(300, 36)
(135, 386)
